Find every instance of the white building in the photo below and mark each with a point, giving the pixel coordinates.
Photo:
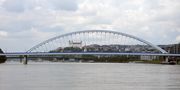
(75, 44)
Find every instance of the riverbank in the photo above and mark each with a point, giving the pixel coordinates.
(92, 61)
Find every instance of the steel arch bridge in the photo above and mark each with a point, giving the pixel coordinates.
(98, 40)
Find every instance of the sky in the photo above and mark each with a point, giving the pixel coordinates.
(25, 23)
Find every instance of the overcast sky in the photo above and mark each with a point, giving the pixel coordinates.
(25, 23)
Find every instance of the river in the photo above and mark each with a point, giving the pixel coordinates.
(89, 76)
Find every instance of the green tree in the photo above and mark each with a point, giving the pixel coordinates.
(72, 49)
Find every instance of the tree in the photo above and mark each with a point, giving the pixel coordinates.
(2, 58)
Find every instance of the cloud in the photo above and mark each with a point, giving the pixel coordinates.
(33, 21)
(68, 5)
(3, 34)
(14, 5)
(178, 39)
(24, 40)
(20, 6)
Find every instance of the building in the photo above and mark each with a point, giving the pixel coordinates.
(172, 48)
(75, 44)
(175, 49)
(148, 57)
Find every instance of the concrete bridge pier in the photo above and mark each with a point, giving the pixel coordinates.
(25, 60)
(170, 60)
(166, 59)
(21, 58)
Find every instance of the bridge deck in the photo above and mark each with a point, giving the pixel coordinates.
(82, 53)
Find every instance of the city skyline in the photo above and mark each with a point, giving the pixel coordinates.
(26, 23)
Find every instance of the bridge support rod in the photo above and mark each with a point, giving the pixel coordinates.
(25, 60)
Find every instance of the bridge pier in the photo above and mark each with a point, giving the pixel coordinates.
(166, 59)
(25, 60)
(21, 58)
(170, 60)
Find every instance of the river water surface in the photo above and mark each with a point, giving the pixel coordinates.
(89, 76)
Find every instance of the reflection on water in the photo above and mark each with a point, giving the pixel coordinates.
(89, 76)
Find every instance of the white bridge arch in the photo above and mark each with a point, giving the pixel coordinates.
(100, 37)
